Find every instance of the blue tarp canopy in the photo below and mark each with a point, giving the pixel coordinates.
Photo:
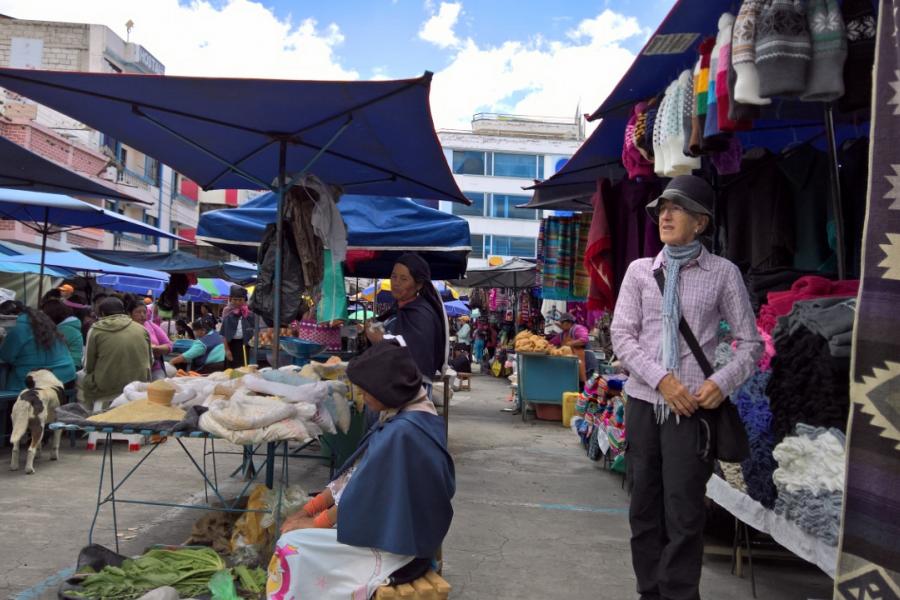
(152, 287)
(51, 213)
(671, 50)
(175, 261)
(76, 261)
(13, 267)
(226, 133)
(387, 226)
(21, 168)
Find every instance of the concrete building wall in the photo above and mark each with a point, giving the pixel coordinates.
(91, 48)
(552, 141)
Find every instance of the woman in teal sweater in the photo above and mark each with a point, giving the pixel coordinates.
(68, 325)
(34, 343)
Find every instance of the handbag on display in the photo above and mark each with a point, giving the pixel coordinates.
(726, 436)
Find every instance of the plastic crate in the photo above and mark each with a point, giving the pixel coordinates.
(548, 412)
(569, 400)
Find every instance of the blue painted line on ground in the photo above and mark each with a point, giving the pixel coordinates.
(580, 508)
(36, 591)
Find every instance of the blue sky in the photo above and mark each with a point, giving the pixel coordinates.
(488, 22)
(512, 56)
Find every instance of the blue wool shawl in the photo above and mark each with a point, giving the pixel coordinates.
(398, 499)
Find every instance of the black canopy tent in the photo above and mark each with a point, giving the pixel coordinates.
(515, 274)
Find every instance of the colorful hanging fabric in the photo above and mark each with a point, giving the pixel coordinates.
(563, 241)
(598, 254)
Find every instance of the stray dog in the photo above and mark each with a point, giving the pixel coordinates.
(33, 408)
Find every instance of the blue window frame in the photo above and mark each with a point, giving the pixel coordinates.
(518, 165)
(477, 246)
(504, 207)
(470, 162)
(477, 208)
(503, 245)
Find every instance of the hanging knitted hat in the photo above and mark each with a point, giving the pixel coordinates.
(649, 126)
(829, 51)
(724, 88)
(677, 162)
(660, 134)
(739, 111)
(635, 164)
(701, 92)
(728, 162)
(860, 21)
(743, 54)
(783, 48)
(687, 115)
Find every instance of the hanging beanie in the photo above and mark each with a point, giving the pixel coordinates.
(738, 111)
(728, 162)
(783, 48)
(647, 142)
(860, 21)
(701, 93)
(696, 125)
(723, 89)
(687, 115)
(660, 134)
(635, 164)
(829, 51)
(676, 161)
(743, 54)
(713, 138)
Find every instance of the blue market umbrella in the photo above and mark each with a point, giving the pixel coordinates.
(456, 308)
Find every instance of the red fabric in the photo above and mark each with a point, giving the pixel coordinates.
(354, 257)
(723, 100)
(598, 255)
(805, 288)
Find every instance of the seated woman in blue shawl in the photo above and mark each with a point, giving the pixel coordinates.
(388, 510)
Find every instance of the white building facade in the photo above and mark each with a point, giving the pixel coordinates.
(491, 164)
(27, 44)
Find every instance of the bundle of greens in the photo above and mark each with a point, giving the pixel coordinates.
(188, 570)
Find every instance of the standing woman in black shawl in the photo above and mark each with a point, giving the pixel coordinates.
(418, 316)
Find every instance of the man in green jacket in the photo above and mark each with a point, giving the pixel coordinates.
(117, 353)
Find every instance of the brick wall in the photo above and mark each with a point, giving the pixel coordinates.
(65, 44)
(49, 144)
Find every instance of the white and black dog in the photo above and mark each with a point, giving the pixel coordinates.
(36, 404)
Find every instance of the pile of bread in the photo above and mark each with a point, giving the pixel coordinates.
(530, 342)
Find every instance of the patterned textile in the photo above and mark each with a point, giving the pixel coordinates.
(598, 254)
(562, 243)
(869, 553)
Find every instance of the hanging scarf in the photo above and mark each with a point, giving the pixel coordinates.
(676, 257)
(243, 311)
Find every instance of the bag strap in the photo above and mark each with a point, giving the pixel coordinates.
(685, 330)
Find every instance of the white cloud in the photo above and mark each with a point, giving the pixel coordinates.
(239, 39)
(439, 28)
(535, 77)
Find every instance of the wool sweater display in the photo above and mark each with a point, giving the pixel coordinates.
(810, 480)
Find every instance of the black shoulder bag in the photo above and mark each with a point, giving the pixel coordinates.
(727, 435)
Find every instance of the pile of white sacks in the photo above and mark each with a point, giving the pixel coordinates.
(250, 407)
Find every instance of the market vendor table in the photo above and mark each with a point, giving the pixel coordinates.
(783, 531)
(543, 379)
(210, 484)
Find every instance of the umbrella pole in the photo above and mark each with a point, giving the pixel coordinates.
(835, 182)
(43, 253)
(279, 241)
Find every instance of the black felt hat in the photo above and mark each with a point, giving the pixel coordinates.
(388, 372)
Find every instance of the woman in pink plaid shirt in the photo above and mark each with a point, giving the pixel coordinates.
(666, 385)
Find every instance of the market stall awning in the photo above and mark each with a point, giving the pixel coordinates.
(175, 261)
(12, 267)
(378, 230)
(23, 169)
(669, 51)
(150, 287)
(76, 261)
(55, 213)
(376, 137)
(515, 273)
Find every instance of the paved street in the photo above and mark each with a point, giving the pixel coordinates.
(535, 519)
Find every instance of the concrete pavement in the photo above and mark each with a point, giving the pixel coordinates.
(534, 518)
